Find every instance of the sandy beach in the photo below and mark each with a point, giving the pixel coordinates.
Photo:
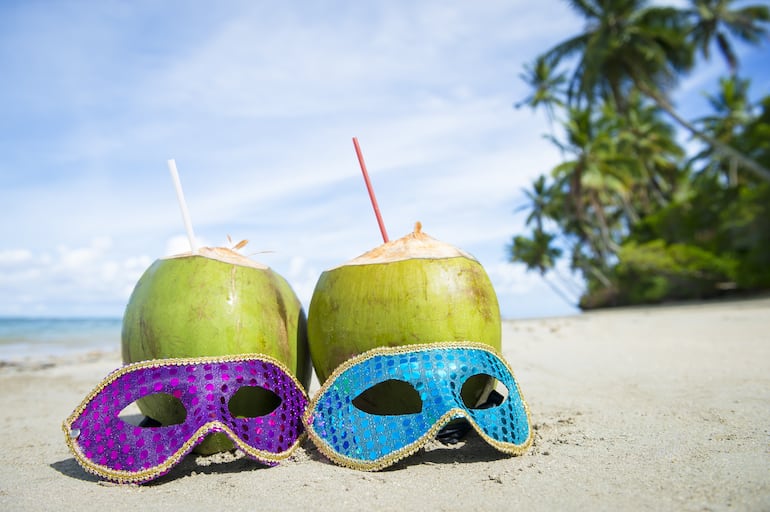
(659, 408)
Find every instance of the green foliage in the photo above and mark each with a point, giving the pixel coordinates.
(536, 253)
(655, 271)
(640, 219)
(714, 242)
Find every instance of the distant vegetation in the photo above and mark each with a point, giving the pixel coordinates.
(641, 218)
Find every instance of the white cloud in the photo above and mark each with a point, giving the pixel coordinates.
(302, 278)
(513, 279)
(527, 294)
(82, 257)
(79, 280)
(14, 256)
(297, 61)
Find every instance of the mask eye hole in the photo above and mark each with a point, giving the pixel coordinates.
(175, 412)
(482, 391)
(389, 398)
(252, 402)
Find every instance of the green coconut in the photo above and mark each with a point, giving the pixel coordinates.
(215, 302)
(413, 290)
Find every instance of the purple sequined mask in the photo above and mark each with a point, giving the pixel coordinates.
(106, 445)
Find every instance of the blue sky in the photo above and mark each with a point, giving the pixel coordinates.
(257, 101)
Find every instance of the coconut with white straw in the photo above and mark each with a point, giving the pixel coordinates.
(213, 301)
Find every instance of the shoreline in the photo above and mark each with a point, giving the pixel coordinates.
(66, 351)
(655, 408)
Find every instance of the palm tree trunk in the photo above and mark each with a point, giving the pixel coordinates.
(733, 176)
(609, 245)
(582, 263)
(568, 284)
(558, 291)
(598, 274)
(723, 148)
(658, 189)
(628, 208)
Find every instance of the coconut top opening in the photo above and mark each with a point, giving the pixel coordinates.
(222, 254)
(415, 245)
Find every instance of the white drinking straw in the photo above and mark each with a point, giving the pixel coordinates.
(183, 205)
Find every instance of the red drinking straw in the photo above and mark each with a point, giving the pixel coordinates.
(371, 190)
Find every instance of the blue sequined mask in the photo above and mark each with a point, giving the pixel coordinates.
(357, 439)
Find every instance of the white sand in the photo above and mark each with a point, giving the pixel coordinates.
(637, 409)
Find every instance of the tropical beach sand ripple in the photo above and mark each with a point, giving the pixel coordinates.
(663, 408)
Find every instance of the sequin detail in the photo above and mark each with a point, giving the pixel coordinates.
(356, 439)
(107, 446)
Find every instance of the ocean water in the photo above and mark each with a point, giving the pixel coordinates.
(39, 338)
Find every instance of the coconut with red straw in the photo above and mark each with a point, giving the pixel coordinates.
(408, 291)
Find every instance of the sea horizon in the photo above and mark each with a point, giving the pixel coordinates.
(40, 337)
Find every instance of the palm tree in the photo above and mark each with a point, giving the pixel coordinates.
(547, 87)
(714, 21)
(538, 253)
(731, 106)
(542, 206)
(589, 199)
(656, 155)
(546, 84)
(596, 178)
(538, 202)
(626, 46)
(732, 113)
